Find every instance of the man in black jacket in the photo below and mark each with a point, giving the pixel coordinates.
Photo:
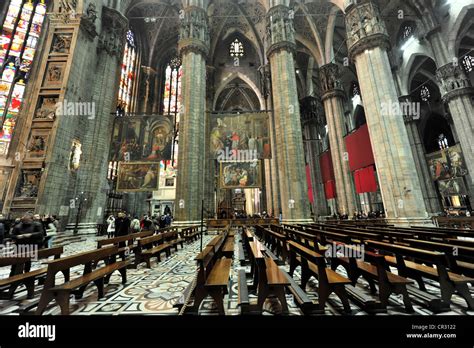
(28, 232)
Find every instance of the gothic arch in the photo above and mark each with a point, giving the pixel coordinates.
(228, 80)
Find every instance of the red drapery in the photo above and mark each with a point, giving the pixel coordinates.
(365, 180)
(360, 149)
(310, 184)
(327, 171)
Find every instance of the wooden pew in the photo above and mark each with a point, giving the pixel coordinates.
(21, 274)
(77, 286)
(173, 239)
(450, 282)
(191, 234)
(460, 258)
(313, 264)
(374, 271)
(126, 244)
(213, 275)
(151, 247)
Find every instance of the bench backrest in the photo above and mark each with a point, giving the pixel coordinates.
(149, 242)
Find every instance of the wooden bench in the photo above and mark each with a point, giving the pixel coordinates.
(374, 269)
(243, 293)
(213, 275)
(78, 285)
(173, 239)
(150, 247)
(450, 282)
(21, 274)
(191, 234)
(228, 249)
(313, 264)
(126, 244)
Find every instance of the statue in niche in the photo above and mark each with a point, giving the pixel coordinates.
(75, 156)
(47, 110)
(54, 73)
(91, 13)
(28, 184)
(37, 146)
(62, 44)
(67, 6)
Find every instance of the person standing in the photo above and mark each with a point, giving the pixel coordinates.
(122, 225)
(51, 231)
(111, 226)
(135, 225)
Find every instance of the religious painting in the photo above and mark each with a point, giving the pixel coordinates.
(452, 187)
(240, 175)
(138, 177)
(75, 156)
(240, 137)
(37, 145)
(447, 163)
(147, 138)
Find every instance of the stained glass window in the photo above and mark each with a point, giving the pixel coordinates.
(172, 107)
(468, 63)
(128, 75)
(425, 94)
(407, 32)
(236, 49)
(19, 39)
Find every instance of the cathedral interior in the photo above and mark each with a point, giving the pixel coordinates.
(271, 127)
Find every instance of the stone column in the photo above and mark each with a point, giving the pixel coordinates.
(457, 92)
(194, 48)
(332, 98)
(426, 182)
(368, 43)
(289, 139)
(455, 86)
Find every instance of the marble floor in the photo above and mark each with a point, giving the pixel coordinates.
(154, 291)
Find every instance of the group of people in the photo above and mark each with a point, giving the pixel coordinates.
(358, 215)
(31, 229)
(124, 224)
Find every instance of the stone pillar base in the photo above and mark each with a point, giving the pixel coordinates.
(83, 228)
(408, 222)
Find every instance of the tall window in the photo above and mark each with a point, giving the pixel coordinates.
(128, 75)
(236, 49)
(443, 142)
(19, 39)
(468, 63)
(172, 107)
(172, 95)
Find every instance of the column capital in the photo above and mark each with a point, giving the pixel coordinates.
(453, 82)
(330, 76)
(365, 29)
(280, 30)
(194, 31)
(114, 27)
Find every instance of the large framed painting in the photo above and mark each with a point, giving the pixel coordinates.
(452, 187)
(240, 175)
(143, 138)
(446, 164)
(138, 177)
(240, 137)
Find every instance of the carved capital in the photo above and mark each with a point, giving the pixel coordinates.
(453, 82)
(114, 28)
(330, 76)
(365, 29)
(280, 30)
(194, 32)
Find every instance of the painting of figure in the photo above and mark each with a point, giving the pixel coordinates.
(240, 175)
(138, 177)
(446, 164)
(240, 137)
(139, 139)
